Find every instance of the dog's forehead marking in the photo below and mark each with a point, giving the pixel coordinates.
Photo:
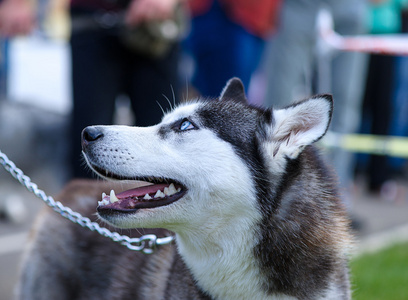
(182, 111)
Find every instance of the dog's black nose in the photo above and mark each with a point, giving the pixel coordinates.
(91, 134)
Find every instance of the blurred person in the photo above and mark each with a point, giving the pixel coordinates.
(348, 71)
(290, 65)
(113, 53)
(384, 18)
(227, 39)
(104, 65)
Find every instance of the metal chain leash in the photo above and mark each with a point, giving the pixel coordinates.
(146, 243)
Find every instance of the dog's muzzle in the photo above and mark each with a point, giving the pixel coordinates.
(157, 192)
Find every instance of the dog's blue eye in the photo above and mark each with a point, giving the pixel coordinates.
(186, 125)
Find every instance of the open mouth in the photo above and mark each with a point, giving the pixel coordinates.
(160, 192)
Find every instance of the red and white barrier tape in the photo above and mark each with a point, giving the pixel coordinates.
(391, 44)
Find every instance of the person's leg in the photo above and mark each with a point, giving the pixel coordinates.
(290, 55)
(381, 117)
(399, 122)
(151, 85)
(247, 52)
(209, 43)
(95, 85)
(221, 49)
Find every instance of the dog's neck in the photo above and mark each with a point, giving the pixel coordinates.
(223, 262)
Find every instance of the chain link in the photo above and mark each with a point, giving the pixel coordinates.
(146, 243)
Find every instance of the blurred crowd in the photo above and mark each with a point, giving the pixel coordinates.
(161, 51)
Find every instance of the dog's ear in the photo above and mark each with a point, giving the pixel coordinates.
(300, 124)
(234, 90)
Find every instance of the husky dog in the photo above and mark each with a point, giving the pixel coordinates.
(254, 209)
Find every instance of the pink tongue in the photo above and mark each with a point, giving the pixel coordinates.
(141, 191)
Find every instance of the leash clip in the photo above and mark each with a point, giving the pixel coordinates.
(147, 243)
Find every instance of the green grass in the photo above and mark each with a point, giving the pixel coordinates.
(382, 275)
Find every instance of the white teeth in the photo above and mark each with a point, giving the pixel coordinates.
(103, 202)
(113, 197)
(159, 194)
(166, 191)
(172, 189)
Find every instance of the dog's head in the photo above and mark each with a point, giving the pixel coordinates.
(202, 160)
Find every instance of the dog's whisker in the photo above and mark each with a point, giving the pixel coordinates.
(186, 89)
(174, 97)
(161, 107)
(168, 101)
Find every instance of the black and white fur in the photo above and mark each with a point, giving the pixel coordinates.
(257, 215)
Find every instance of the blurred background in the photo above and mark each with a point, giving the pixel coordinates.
(284, 50)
